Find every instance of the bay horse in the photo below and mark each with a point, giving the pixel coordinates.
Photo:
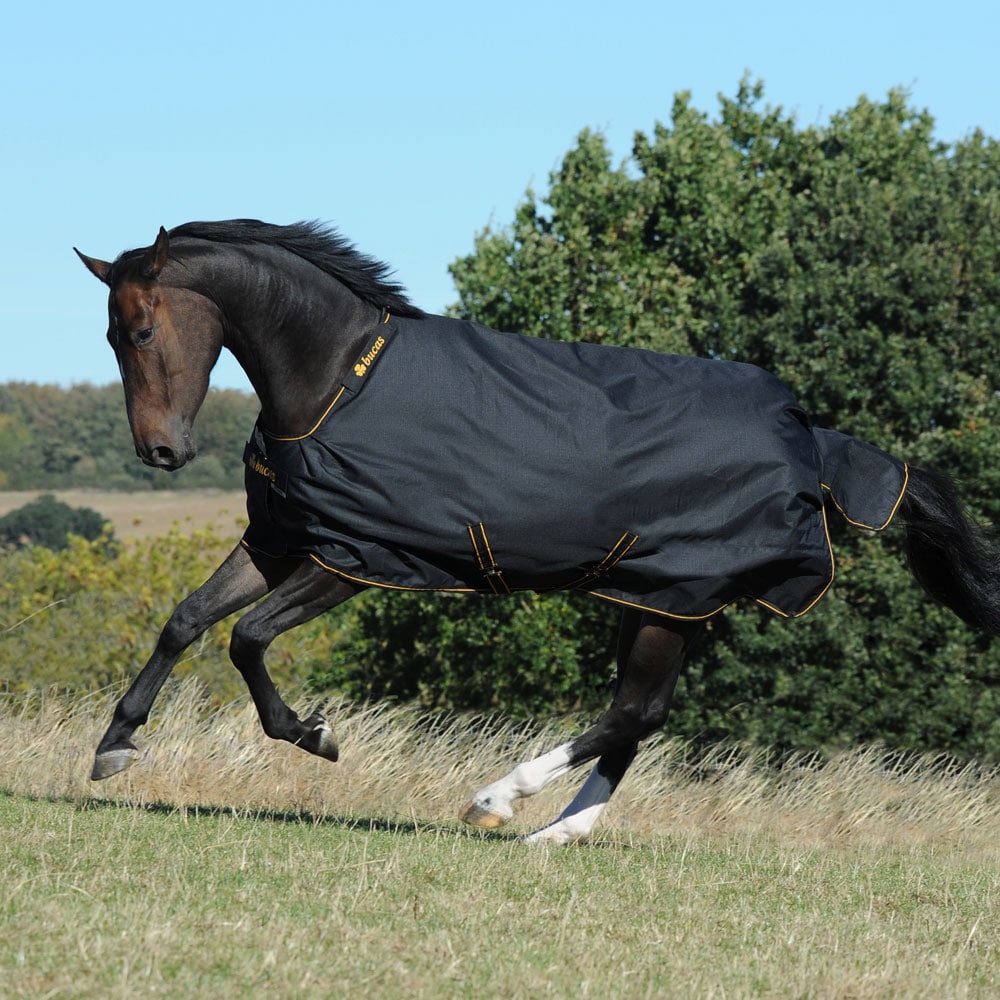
(407, 451)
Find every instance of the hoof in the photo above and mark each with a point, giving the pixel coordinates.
(113, 762)
(482, 817)
(553, 835)
(320, 740)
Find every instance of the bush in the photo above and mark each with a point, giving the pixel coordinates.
(84, 617)
(50, 522)
(521, 655)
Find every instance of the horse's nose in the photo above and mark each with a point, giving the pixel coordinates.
(166, 451)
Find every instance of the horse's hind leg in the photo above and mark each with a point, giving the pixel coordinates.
(579, 817)
(577, 820)
(650, 658)
(241, 579)
(306, 593)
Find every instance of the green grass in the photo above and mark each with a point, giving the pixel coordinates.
(225, 865)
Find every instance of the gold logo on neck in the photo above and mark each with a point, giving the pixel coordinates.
(367, 360)
(261, 468)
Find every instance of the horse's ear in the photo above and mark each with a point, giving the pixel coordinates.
(98, 268)
(156, 255)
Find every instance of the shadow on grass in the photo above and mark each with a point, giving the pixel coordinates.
(371, 824)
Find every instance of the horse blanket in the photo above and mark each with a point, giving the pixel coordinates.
(454, 457)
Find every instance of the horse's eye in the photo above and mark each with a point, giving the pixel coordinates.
(143, 336)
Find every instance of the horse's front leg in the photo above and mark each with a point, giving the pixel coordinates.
(241, 579)
(306, 593)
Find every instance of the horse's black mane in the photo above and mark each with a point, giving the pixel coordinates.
(319, 244)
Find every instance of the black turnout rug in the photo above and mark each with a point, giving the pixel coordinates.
(457, 458)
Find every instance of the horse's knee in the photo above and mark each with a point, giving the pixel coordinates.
(245, 643)
(182, 628)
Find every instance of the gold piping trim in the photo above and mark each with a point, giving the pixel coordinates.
(656, 611)
(389, 586)
(764, 604)
(892, 513)
(822, 593)
(315, 427)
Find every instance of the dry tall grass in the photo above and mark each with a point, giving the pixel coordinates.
(398, 764)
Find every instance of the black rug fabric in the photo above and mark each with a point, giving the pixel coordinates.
(455, 457)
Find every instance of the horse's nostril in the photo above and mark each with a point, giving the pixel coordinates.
(163, 456)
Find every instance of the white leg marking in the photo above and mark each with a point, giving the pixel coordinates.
(578, 818)
(493, 805)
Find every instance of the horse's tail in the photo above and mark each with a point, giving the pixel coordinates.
(956, 561)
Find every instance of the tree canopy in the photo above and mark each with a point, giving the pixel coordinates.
(52, 438)
(857, 260)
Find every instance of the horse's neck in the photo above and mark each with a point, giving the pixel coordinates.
(295, 338)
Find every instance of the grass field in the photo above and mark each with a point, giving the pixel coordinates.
(225, 864)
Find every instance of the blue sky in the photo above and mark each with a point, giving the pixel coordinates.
(409, 126)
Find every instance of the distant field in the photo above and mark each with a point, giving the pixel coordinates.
(151, 513)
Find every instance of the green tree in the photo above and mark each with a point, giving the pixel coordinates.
(858, 260)
(15, 440)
